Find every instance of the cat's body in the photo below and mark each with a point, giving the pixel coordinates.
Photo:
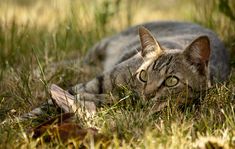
(186, 56)
(171, 35)
(176, 58)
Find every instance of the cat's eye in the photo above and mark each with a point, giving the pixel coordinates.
(171, 81)
(143, 76)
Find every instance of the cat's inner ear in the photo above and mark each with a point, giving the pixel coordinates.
(198, 54)
(199, 50)
(150, 46)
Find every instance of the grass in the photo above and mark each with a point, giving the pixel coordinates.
(30, 38)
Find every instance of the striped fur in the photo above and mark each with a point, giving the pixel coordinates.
(156, 61)
(184, 52)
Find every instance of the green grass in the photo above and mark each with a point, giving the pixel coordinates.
(67, 33)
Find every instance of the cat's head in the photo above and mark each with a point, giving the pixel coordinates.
(177, 72)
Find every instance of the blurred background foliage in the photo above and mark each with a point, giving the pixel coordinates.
(58, 26)
(81, 20)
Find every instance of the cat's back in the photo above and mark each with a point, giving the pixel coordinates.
(170, 35)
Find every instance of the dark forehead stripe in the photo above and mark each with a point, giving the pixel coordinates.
(161, 62)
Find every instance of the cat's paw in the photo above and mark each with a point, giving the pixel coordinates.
(70, 103)
(62, 98)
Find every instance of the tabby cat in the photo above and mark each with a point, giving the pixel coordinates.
(154, 60)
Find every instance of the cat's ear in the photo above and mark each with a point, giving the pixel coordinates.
(150, 46)
(198, 52)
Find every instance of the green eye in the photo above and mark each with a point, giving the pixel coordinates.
(143, 76)
(171, 81)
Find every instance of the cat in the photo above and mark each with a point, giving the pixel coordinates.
(154, 60)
